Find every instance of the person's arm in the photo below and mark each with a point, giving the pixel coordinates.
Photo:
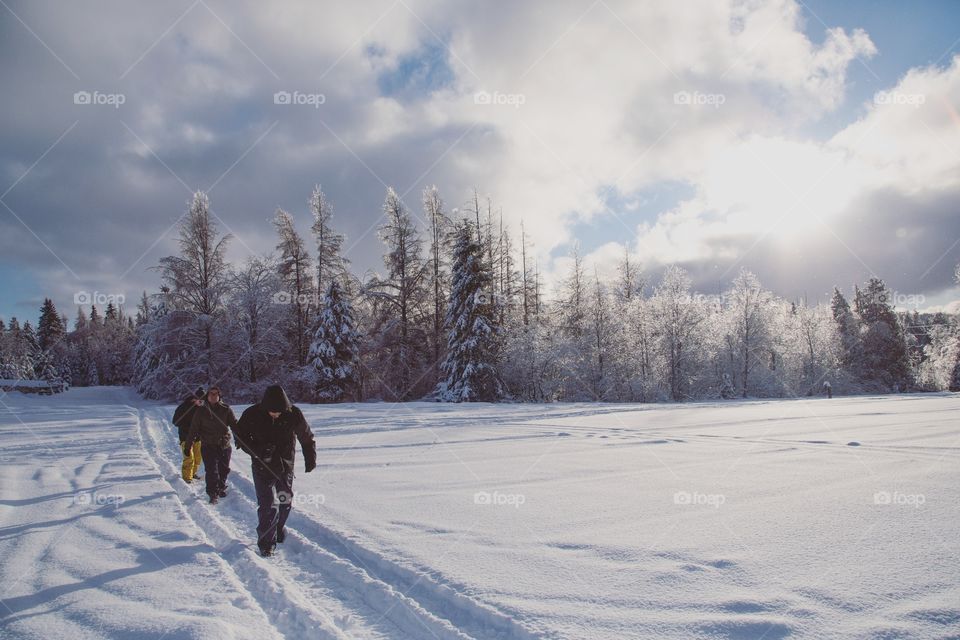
(178, 414)
(194, 433)
(242, 433)
(307, 442)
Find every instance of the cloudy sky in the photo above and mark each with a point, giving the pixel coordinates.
(815, 143)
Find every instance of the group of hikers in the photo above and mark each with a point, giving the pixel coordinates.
(266, 431)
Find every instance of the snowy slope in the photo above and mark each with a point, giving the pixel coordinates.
(764, 519)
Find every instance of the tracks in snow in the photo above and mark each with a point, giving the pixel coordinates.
(322, 583)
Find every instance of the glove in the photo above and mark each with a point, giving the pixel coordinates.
(310, 466)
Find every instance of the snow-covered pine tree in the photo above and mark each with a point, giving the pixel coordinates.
(849, 331)
(195, 284)
(470, 368)
(331, 265)
(439, 278)
(295, 273)
(399, 332)
(335, 351)
(50, 329)
(884, 353)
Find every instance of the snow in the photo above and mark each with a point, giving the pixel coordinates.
(804, 518)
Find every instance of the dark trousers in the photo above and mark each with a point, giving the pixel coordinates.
(216, 459)
(274, 500)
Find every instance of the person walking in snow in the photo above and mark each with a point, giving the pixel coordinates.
(268, 432)
(212, 424)
(191, 453)
(828, 388)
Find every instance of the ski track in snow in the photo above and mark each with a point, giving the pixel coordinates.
(368, 587)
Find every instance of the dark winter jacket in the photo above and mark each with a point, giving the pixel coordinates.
(182, 417)
(272, 443)
(212, 425)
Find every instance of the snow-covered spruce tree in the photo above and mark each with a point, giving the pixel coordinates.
(849, 332)
(50, 329)
(884, 358)
(335, 351)
(473, 342)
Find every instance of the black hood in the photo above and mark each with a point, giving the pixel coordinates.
(275, 399)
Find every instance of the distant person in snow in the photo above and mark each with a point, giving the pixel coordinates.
(828, 388)
(267, 431)
(191, 452)
(212, 424)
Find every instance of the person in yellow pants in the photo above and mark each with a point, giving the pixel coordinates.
(191, 454)
(190, 469)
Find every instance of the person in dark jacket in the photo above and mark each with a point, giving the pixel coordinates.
(191, 453)
(268, 432)
(212, 425)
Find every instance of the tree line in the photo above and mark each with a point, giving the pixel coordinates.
(457, 313)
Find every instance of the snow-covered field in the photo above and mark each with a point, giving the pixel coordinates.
(764, 519)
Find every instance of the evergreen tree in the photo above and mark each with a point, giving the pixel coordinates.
(884, 353)
(334, 353)
(399, 302)
(330, 263)
(295, 274)
(51, 328)
(470, 368)
(849, 332)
